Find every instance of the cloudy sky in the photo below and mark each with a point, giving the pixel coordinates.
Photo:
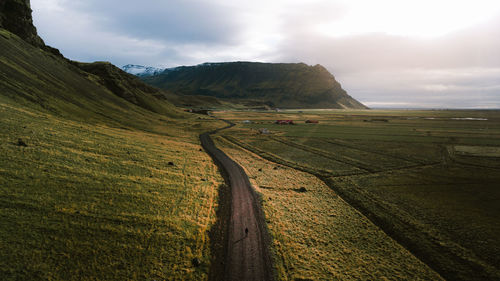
(385, 53)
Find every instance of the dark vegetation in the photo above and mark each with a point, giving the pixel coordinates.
(282, 85)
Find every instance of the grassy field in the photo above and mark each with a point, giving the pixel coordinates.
(317, 235)
(429, 179)
(92, 202)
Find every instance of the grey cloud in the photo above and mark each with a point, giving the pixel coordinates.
(423, 87)
(171, 21)
(476, 46)
(461, 69)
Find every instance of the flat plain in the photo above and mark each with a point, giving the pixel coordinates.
(428, 179)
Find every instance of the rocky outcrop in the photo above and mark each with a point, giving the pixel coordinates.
(15, 16)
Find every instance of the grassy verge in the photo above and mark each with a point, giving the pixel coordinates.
(90, 202)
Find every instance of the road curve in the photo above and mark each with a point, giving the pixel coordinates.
(247, 256)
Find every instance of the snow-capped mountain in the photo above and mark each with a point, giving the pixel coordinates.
(145, 71)
(140, 70)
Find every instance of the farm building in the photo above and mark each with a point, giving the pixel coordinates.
(312, 121)
(264, 131)
(247, 122)
(284, 122)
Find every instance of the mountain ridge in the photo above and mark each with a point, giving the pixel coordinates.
(285, 85)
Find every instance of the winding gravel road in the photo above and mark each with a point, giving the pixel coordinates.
(247, 256)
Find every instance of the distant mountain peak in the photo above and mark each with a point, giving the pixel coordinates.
(141, 71)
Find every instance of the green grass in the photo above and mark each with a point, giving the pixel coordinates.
(460, 203)
(428, 180)
(369, 158)
(297, 155)
(401, 125)
(87, 202)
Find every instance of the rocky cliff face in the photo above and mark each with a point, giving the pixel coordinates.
(15, 16)
(285, 85)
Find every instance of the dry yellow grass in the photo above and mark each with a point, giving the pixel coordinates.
(317, 235)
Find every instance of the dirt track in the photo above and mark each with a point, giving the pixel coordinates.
(247, 255)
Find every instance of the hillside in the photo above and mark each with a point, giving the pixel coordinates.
(38, 76)
(283, 85)
(101, 178)
(37, 79)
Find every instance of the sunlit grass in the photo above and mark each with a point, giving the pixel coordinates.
(86, 202)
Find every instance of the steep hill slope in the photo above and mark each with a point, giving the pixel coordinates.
(41, 80)
(38, 76)
(286, 85)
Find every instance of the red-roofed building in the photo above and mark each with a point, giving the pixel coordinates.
(284, 122)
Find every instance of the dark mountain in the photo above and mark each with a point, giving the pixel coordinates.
(285, 85)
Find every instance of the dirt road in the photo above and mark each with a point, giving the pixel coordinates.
(247, 254)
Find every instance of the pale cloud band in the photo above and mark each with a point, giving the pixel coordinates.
(387, 53)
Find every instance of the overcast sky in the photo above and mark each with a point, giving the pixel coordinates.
(385, 53)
